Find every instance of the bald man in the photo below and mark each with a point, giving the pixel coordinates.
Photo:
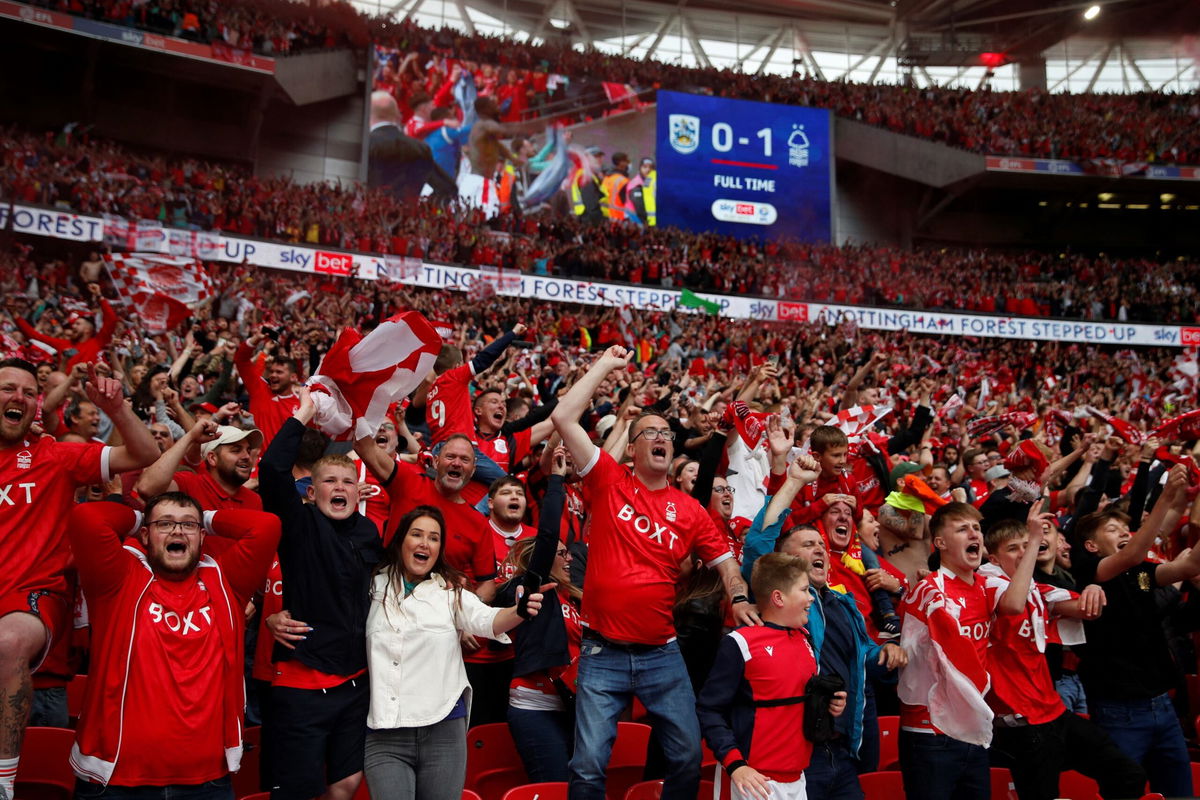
(399, 163)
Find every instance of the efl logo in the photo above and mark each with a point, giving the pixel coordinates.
(793, 312)
(333, 263)
(1189, 337)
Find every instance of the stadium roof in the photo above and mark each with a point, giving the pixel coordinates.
(1128, 46)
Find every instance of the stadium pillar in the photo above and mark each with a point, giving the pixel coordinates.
(1031, 73)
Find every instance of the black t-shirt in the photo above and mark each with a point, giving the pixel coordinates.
(1126, 655)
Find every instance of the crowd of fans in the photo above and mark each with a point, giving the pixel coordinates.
(1154, 127)
(1151, 127)
(266, 27)
(571, 428)
(92, 176)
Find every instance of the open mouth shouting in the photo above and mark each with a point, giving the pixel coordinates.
(381, 439)
(177, 547)
(339, 502)
(14, 414)
(974, 551)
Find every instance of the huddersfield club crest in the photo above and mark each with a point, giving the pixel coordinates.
(685, 133)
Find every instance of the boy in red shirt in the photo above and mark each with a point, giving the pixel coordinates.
(830, 449)
(1035, 736)
(751, 708)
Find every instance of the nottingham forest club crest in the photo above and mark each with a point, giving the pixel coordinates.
(685, 133)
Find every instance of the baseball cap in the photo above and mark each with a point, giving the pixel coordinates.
(211, 408)
(605, 425)
(648, 160)
(227, 434)
(996, 473)
(594, 151)
(903, 468)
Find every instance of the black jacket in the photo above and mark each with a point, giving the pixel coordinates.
(541, 642)
(327, 565)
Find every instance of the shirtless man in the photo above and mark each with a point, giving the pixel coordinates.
(485, 150)
(904, 537)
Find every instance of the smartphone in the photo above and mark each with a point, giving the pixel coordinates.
(773, 359)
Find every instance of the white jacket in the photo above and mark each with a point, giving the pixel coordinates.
(413, 651)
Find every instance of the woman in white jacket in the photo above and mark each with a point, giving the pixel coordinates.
(417, 743)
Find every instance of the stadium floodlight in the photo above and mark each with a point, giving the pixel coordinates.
(1091, 13)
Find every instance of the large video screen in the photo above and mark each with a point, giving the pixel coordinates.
(743, 168)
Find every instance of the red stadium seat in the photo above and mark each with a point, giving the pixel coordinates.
(652, 790)
(469, 795)
(1073, 785)
(75, 692)
(257, 796)
(45, 771)
(245, 780)
(538, 791)
(889, 743)
(362, 792)
(1192, 684)
(1195, 775)
(1002, 785)
(627, 764)
(493, 764)
(707, 759)
(882, 785)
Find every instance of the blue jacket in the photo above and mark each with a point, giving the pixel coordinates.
(760, 541)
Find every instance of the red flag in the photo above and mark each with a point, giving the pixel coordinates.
(361, 376)
(1181, 428)
(162, 288)
(982, 426)
(1120, 427)
(1163, 454)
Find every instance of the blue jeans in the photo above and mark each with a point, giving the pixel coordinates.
(610, 676)
(544, 739)
(832, 774)
(936, 767)
(220, 789)
(1070, 689)
(1148, 732)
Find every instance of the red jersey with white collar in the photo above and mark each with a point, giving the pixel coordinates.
(1021, 682)
(637, 538)
(946, 625)
(489, 651)
(38, 479)
(270, 410)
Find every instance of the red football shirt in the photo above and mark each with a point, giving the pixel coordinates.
(175, 639)
(491, 652)
(206, 491)
(263, 669)
(448, 404)
(374, 502)
(468, 541)
(1021, 682)
(971, 611)
(637, 538)
(38, 479)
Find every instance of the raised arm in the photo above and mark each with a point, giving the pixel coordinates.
(488, 356)
(159, 477)
(1162, 520)
(255, 537)
(576, 401)
(96, 531)
(275, 481)
(1017, 594)
(138, 449)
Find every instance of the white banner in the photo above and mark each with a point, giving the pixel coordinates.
(51, 222)
(298, 258)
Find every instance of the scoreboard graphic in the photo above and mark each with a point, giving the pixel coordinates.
(743, 168)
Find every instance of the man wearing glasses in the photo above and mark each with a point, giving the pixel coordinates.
(641, 529)
(162, 715)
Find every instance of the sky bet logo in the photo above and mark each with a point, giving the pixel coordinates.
(333, 263)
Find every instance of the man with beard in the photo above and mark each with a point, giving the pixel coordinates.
(38, 479)
(640, 531)
(229, 455)
(468, 546)
(165, 617)
(272, 390)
